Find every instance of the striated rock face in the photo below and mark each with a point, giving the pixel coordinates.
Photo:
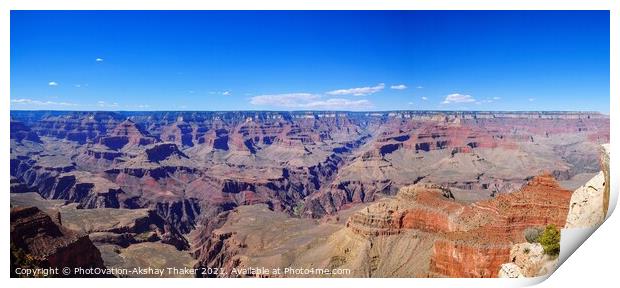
(423, 207)
(422, 232)
(310, 164)
(56, 178)
(21, 132)
(589, 203)
(126, 238)
(489, 228)
(194, 169)
(473, 239)
(125, 135)
(165, 151)
(472, 260)
(48, 243)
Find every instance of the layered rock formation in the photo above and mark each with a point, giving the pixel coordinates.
(422, 232)
(117, 233)
(48, 244)
(193, 169)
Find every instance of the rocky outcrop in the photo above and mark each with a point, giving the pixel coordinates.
(527, 260)
(509, 270)
(164, 151)
(586, 206)
(422, 207)
(126, 134)
(21, 132)
(589, 203)
(56, 179)
(181, 133)
(48, 243)
(488, 229)
(605, 168)
(472, 240)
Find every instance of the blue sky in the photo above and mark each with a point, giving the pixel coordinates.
(310, 60)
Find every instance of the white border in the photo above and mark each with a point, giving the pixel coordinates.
(599, 261)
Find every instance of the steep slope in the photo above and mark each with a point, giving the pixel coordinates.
(36, 236)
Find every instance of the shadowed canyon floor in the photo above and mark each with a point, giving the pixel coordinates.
(380, 194)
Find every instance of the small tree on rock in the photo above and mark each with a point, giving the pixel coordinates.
(550, 240)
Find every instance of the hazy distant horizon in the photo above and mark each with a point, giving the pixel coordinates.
(321, 111)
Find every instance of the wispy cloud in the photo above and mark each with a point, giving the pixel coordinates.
(284, 100)
(224, 93)
(531, 99)
(26, 101)
(424, 98)
(100, 60)
(399, 87)
(52, 83)
(361, 91)
(308, 101)
(419, 87)
(410, 103)
(496, 98)
(338, 103)
(458, 98)
(104, 104)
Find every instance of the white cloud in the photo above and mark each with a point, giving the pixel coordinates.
(284, 100)
(338, 103)
(424, 98)
(362, 91)
(419, 87)
(496, 98)
(99, 60)
(26, 101)
(308, 101)
(224, 93)
(106, 104)
(52, 83)
(410, 103)
(143, 106)
(458, 98)
(531, 99)
(399, 87)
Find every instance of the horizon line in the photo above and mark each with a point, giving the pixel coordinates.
(332, 111)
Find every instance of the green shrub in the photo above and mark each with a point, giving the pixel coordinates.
(550, 240)
(531, 234)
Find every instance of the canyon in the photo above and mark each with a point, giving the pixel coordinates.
(351, 190)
